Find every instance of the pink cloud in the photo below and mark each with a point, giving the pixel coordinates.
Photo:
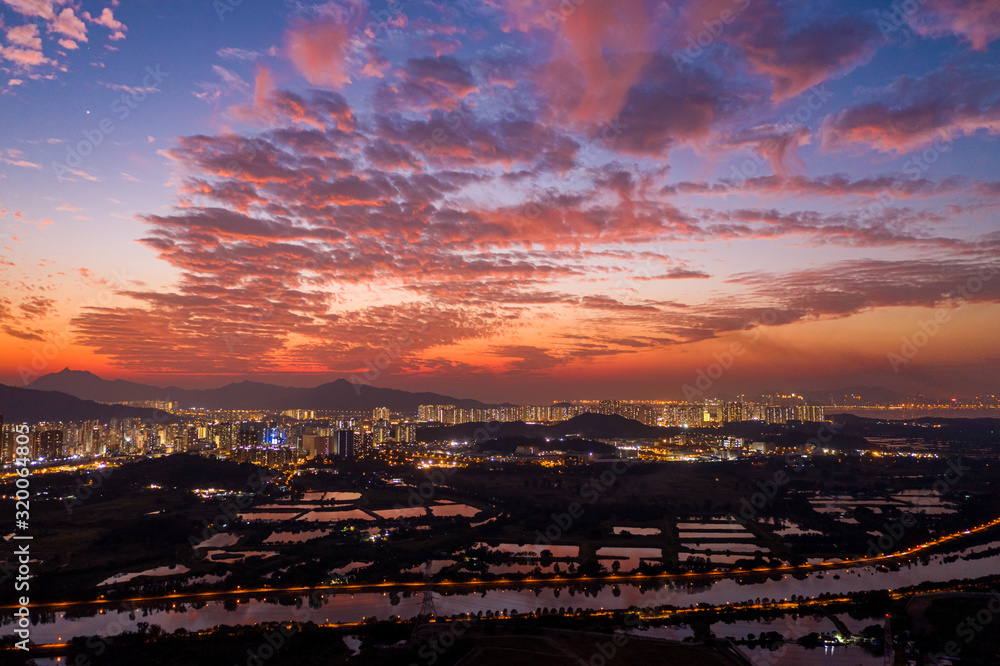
(911, 114)
(24, 57)
(69, 25)
(609, 43)
(318, 51)
(796, 61)
(976, 21)
(26, 36)
(42, 8)
(108, 20)
(779, 144)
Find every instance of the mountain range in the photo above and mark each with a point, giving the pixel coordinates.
(22, 405)
(340, 395)
(75, 395)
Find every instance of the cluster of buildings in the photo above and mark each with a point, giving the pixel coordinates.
(277, 439)
(780, 409)
(49, 441)
(244, 437)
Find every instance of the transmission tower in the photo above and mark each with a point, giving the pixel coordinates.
(421, 624)
(427, 605)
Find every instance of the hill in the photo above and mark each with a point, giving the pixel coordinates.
(22, 405)
(509, 445)
(186, 472)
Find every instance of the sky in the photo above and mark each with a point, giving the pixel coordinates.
(519, 200)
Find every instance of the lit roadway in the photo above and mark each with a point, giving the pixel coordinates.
(902, 556)
(59, 649)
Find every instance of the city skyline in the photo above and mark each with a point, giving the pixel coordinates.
(503, 201)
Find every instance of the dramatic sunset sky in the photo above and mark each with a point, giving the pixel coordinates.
(516, 200)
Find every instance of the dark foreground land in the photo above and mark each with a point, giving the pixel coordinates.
(446, 644)
(89, 525)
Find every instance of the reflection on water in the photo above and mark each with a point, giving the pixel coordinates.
(331, 497)
(463, 510)
(295, 537)
(158, 571)
(791, 629)
(796, 655)
(336, 516)
(637, 531)
(628, 558)
(532, 550)
(354, 607)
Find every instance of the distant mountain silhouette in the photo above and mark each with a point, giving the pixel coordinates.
(854, 395)
(339, 395)
(88, 386)
(587, 426)
(22, 405)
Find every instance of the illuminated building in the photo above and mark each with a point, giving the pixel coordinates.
(49, 444)
(345, 443)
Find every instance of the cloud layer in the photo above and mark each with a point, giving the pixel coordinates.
(521, 187)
